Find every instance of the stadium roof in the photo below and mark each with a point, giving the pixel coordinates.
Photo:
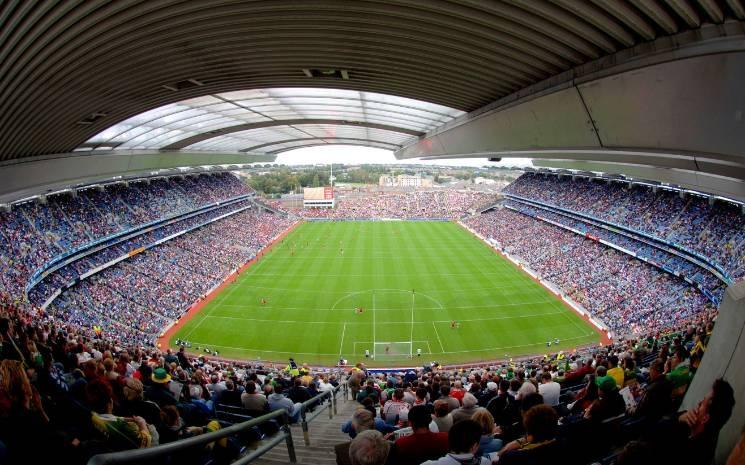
(651, 85)
(275, 120)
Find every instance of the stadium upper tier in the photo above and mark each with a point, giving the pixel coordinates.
(699, 225)
(33, 234)
(629, 296)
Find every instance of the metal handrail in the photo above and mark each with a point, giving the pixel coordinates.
(141, 455)
(305, 418)
(138, 455)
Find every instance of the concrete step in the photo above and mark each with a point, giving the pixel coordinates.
(324, 434)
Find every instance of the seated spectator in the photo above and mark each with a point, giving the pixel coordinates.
(539, 444)
(369, 391)
(549, 389)
(470, 404)
(442, 420)
(362, 420)
(422, 444)
(586, 397)
(690, 437)
(393, 409)
(503, 407)
(369, 448)
(133, 403)
(118, 433)
(360, 417)
(298, 393)
(445, 395)
(159, 391)
(230, 396)
(656, 400)
(464, 439)
(609, 403)
(616, 372)
(254, 401)
(489, 429)
(276, 401)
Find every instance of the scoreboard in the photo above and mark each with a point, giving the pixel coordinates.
(318, 197)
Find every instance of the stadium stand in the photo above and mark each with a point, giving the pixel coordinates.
(444, 204)
(83, 374)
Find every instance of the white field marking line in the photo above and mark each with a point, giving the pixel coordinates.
(576, 325)
(442, 348)
(247, 349)
(373, 328)
(382, 343)
(507, 347)
(449, 291)
(460, 307)
(373, 291)
(341, 345)
(259, 320)
(375, 275)
(196, 326)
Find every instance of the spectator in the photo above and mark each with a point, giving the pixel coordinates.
(503, 407)
(442, 420)
(276, 401)
(470, 405)
(489, 429)
(159, 391)
(394, 409)
(609, 403)
(691, 436)
(118, 433)
(656, 400)
(422, 444)
(369, 448)
(464, 439)
(549, 389)
(445, 395)
(254, 401)
(539, 444)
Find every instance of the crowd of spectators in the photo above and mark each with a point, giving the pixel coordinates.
(141, 296)
(563, 408)
(626, 294)
(34, 232)
(712, 229)
(65, 396)
(443, 204)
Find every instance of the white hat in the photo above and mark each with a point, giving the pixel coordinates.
(492, 386)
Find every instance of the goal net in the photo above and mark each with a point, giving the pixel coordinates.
(392, 350)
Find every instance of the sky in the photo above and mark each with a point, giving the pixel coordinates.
(353, 155)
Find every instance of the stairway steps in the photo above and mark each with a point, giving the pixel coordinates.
(325, 433)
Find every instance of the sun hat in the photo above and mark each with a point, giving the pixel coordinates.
(160, 375)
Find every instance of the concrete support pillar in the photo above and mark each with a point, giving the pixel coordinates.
(724, 358)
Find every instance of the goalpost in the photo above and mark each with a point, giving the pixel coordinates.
(393, 349)
(399, 349)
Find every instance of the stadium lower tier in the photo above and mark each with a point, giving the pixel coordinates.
(628, 295)
(136, 299)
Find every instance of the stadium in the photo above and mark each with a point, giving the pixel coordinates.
(170, 294)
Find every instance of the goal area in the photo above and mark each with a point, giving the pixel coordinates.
(397, 350)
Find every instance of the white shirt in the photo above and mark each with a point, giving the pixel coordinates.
(550, 392)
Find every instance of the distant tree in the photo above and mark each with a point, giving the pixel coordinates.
(316, 181)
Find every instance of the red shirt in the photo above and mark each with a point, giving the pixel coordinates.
(420, 447)
(458, 394)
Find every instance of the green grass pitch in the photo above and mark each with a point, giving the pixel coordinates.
(315, 279)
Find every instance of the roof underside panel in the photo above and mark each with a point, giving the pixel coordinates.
(134, 74)
(206, 117)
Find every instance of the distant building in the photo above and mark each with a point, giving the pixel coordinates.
(406, 180)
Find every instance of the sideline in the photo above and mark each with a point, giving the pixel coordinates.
(604, 339)
(164, 340)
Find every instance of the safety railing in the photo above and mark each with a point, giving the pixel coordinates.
(144, 455)
(305, 407)
(284, 434)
